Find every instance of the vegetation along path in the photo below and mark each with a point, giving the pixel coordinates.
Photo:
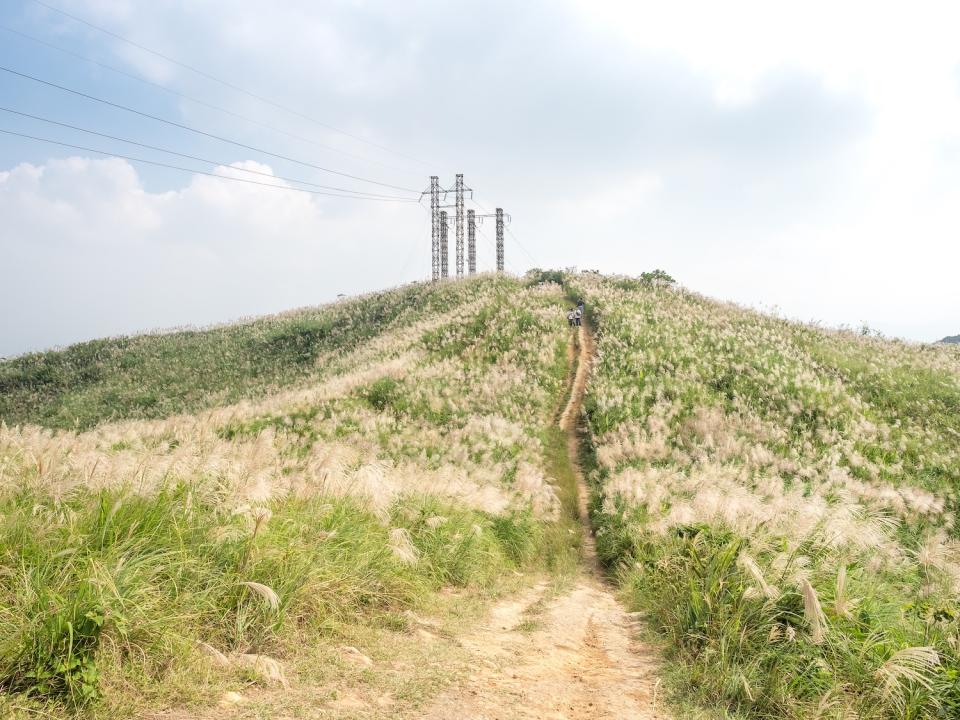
(569, 656)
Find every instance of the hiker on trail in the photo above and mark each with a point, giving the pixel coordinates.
(570, 317)
(580, 306)
(577, 316)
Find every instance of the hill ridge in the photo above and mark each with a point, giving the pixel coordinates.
(317, 482)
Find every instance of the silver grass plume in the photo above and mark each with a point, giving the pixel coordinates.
(841, 603)
(813, 612)
(402, 546)
(266, 593)
(910, 665)
(750, 565)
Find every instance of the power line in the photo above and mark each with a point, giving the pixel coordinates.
(493, 247)
(202, 103)
(201, 132)
(416, 244)
(478, 204)
(525, 251)
(225, 83)
(195, 157)
(200, 172)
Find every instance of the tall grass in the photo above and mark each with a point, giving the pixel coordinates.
(781, 501)
(405, 449)
(100, 585)
(161, 374)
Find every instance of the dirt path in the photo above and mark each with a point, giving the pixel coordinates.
(544, 653)
(572, 656)
(583, 350)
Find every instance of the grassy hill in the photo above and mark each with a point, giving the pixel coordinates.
(778, 499)
(274, 484)
(158, 375)
(782, 501)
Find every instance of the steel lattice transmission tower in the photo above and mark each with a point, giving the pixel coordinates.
(471, 242)
(440, 230)
(444, 252)
(458, 193)
(500, 240)
(435, 226)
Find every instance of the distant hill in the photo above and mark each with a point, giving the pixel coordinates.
(951, 339)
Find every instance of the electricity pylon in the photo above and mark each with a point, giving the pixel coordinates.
(471, 243)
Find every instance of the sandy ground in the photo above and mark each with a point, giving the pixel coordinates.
(580, 663)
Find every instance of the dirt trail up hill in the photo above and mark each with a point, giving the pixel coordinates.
(544, 653)
(580, 660)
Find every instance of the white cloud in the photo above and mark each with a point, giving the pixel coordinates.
(97, 254)
(76, 202)
(852, 45)
(799, 155)
(625, 197)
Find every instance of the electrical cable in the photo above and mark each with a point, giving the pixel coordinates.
(525, 251)
(225, 83)
(202, 103)
(202, 132)
(507, 227)
(424, 230)
(493, 247)
(197, 158)
(200, 172)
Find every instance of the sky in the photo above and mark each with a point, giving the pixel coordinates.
(800, 158)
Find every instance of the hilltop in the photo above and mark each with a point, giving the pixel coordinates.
(951, 339)
(372, 507)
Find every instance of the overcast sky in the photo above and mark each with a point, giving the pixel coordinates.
(797, 156)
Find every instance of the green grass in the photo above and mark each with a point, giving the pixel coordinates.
(715, 433)
(157, 375)
(100, 585)
(108, 585)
